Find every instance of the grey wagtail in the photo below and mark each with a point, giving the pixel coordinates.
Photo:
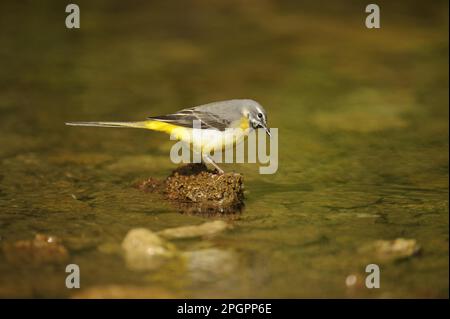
(220, 124)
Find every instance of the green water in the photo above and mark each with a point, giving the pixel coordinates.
(363, 141)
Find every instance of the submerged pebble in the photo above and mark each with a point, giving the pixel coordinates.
(399, 248)
(122, 292)
(205, 229)
(145, 250)
(351, 280)
(41, 250)
(209, 265)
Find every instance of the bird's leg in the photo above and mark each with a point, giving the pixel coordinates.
(208, 159)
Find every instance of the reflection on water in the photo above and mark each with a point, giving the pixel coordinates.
(363, 131)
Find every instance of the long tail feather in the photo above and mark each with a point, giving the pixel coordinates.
(141, 124)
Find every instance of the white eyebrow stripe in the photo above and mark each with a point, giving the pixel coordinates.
(263, 114)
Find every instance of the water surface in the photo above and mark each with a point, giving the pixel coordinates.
(363, 141)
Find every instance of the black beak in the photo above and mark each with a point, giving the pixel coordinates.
(260, 125)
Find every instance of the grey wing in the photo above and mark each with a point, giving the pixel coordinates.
(187, 117)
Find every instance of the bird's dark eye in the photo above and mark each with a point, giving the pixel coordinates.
(260, 115)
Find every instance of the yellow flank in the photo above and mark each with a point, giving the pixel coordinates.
(208, 140)
(177, 131)
(244, 123)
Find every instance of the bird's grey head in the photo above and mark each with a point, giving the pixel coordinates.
(256, 114)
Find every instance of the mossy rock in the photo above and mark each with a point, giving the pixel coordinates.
(195, 189)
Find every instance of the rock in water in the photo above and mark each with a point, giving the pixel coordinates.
(123, 292)
(205, 229)
(391, 250)
(41, 250)
(145, 250)
(211, 265)
(198, 190)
